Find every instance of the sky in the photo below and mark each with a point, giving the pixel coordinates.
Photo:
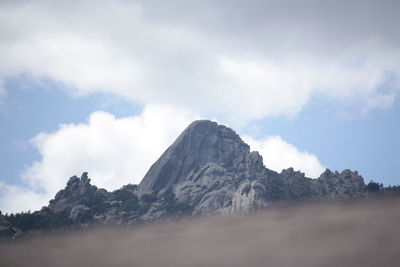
(107, 86)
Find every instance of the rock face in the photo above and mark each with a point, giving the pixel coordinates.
(202, 143)
(207, 170)
(210, 168)
(205, 167)
(346, 184)
(81, 203)
(77, 195)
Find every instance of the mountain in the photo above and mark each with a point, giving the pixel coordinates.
(207, 170)
(203, 143)
(212, 169)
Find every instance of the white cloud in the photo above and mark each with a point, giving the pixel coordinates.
(118, 151)
(269, 61)
(115, 152)
(278, 155)
(16, 198)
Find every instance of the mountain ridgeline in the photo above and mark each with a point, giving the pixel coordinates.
(207, 170)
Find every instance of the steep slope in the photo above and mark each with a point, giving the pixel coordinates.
(202, 142)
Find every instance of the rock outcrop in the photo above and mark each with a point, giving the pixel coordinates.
(204, 146)
(211, 169)
(207, 170)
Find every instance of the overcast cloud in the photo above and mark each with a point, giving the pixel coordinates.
(240, 60)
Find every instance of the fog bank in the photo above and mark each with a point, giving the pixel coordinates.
(358, 234)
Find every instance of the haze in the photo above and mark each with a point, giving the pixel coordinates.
(335, 234)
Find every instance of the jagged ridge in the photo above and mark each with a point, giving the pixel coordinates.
(207, 170)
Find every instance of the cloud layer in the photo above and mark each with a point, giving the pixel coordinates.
(270, 58)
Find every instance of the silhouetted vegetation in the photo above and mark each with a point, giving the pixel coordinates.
(374, 187)
(134, 206)
(44, 219)
(173, 207)
(148, 198)
(130, 202)
(394, 189)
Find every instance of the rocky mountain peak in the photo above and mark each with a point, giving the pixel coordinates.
(207, 170)
(201, 143)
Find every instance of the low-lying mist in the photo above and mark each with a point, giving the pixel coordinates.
(352, 234)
